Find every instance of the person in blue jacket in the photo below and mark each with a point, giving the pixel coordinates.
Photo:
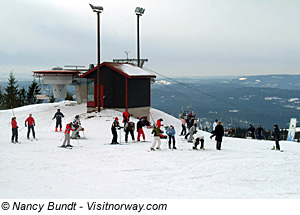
(171, 133)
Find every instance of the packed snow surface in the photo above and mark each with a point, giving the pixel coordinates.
(94, 169)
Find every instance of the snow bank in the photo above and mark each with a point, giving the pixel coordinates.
(95, 170)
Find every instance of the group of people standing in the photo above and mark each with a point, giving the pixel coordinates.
(29, 122)
(129, 128)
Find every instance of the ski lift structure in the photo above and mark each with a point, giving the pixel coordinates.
(59, 79)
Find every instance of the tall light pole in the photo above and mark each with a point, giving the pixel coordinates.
(98, 10)
(139, 12)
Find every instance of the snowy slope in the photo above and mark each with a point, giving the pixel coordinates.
(93, 169)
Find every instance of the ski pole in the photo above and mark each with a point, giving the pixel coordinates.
(83, 135)
(49, 125)
(62, 138)
(120, 135)
(21, 128)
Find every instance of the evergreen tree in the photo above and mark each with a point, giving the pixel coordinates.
(33, 90)
(69, 96)
(22, 97)
(1, 99)
(11, 95)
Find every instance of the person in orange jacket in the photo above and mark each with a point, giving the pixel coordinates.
(67, 135)
(31, 123)
(14, 128)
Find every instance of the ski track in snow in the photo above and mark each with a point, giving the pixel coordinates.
(93, 169)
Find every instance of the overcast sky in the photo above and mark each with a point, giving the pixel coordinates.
(180, 38)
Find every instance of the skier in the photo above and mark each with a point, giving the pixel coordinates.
(77, 127)
(126, 117)
(277, 137)
(192, 131)
(114, 131)
(259, 132)
(214, 127)
(58, 115)
(14, 126)
(67, 135)
(139, 127)
(159, 122)
(183, 130)
(171, 133)
(251, 130)
(156, 138)
(197, 140)
(31, 123)
(129, 128)
(219, 132)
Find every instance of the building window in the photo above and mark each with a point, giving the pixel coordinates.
(90, 90)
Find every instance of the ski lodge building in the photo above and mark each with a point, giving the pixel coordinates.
(122, 86)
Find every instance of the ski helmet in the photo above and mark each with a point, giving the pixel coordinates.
(77, 116)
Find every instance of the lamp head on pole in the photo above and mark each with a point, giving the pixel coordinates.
(97, 9)
(139, 11)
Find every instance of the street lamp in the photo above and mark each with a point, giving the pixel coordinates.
(139, 12)
(98, 10)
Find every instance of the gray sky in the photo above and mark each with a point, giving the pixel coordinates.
(180, 38)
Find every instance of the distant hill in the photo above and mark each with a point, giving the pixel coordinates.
(259, 100)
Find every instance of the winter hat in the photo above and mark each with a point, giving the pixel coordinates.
(216, 120)
(116, 118)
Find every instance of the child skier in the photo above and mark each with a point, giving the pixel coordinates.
(77, 127)
(114, 131)
(156, 138)
(192, 131)
(31, 123)
(67, 135)
(197, 140)
(58, 115)
(129, 128)
(14, 128)
(139, 127)
(171, 133)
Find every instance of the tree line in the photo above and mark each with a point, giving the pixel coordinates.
(12, 96)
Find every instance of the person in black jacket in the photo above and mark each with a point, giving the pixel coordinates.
(58, 115)
(219, 132)
(251, 129)
(114, 127)
(259, 132)
(277, 136)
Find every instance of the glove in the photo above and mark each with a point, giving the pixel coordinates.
(25, 125)
(33, 124)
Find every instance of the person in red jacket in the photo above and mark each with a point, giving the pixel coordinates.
(67, 135)
(14, 128)
(159, 122)
(126, 117)
(31, 123)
